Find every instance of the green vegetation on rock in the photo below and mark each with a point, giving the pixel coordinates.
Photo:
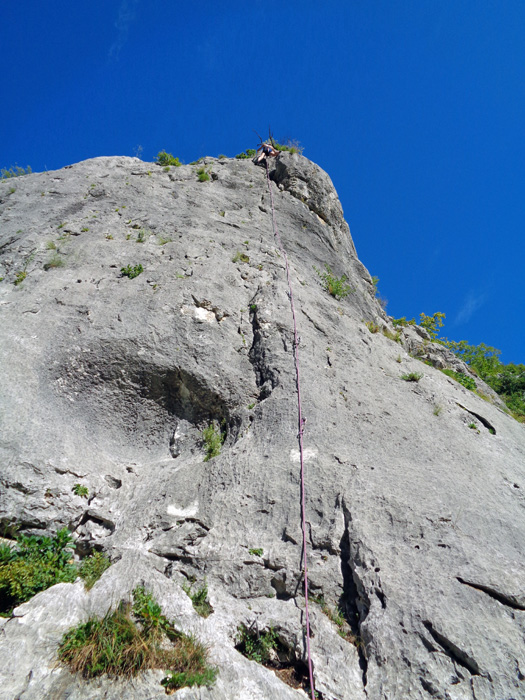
(131, 272)
(336, 287)
(133, 638)
(199, 599)
(213, 439)
(33, 564)
(164, 158)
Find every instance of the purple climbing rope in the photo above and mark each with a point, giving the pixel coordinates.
(301, 421)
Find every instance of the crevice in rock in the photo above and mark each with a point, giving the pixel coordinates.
(484, 421)
(508, 600)
(353, 603)
(454, 652)
(265, 376)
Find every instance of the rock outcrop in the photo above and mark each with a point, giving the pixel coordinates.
(416, 519)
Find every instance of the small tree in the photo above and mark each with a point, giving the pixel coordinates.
(432, 323)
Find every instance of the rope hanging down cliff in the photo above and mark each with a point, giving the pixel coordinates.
(301, 421)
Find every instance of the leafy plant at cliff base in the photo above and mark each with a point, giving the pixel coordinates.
(335, 286)
(213, 440)
(34, 564)
(133, 638)
(164, 158)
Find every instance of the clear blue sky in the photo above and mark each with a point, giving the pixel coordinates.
(415, 108)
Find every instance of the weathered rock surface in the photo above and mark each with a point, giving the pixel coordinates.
(416, 522)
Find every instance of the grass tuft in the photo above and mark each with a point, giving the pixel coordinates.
(133, 638)
(412, 376)
(202, 175)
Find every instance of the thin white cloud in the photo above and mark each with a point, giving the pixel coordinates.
(470, 305)
(126, 16)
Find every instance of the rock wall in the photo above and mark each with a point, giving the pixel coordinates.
(415, 520)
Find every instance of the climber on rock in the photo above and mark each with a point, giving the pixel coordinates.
(265, 150)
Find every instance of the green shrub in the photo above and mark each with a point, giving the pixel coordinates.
(134, 638)
(131, 272)
(164, 158)
(372, 327)
(34, 564)
(199, 599)
(467, 382)
(337, 287)
(432, 323)
(92, 568)
(256, 551)
(403, 321)
(412, 376)
(507, 380)
(213, 440)
(257, 646)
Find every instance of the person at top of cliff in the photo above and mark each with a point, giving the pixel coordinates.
(264, 150)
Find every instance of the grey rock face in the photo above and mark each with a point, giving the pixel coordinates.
(415, 520)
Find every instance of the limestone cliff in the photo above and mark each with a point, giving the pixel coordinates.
(416, 524)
